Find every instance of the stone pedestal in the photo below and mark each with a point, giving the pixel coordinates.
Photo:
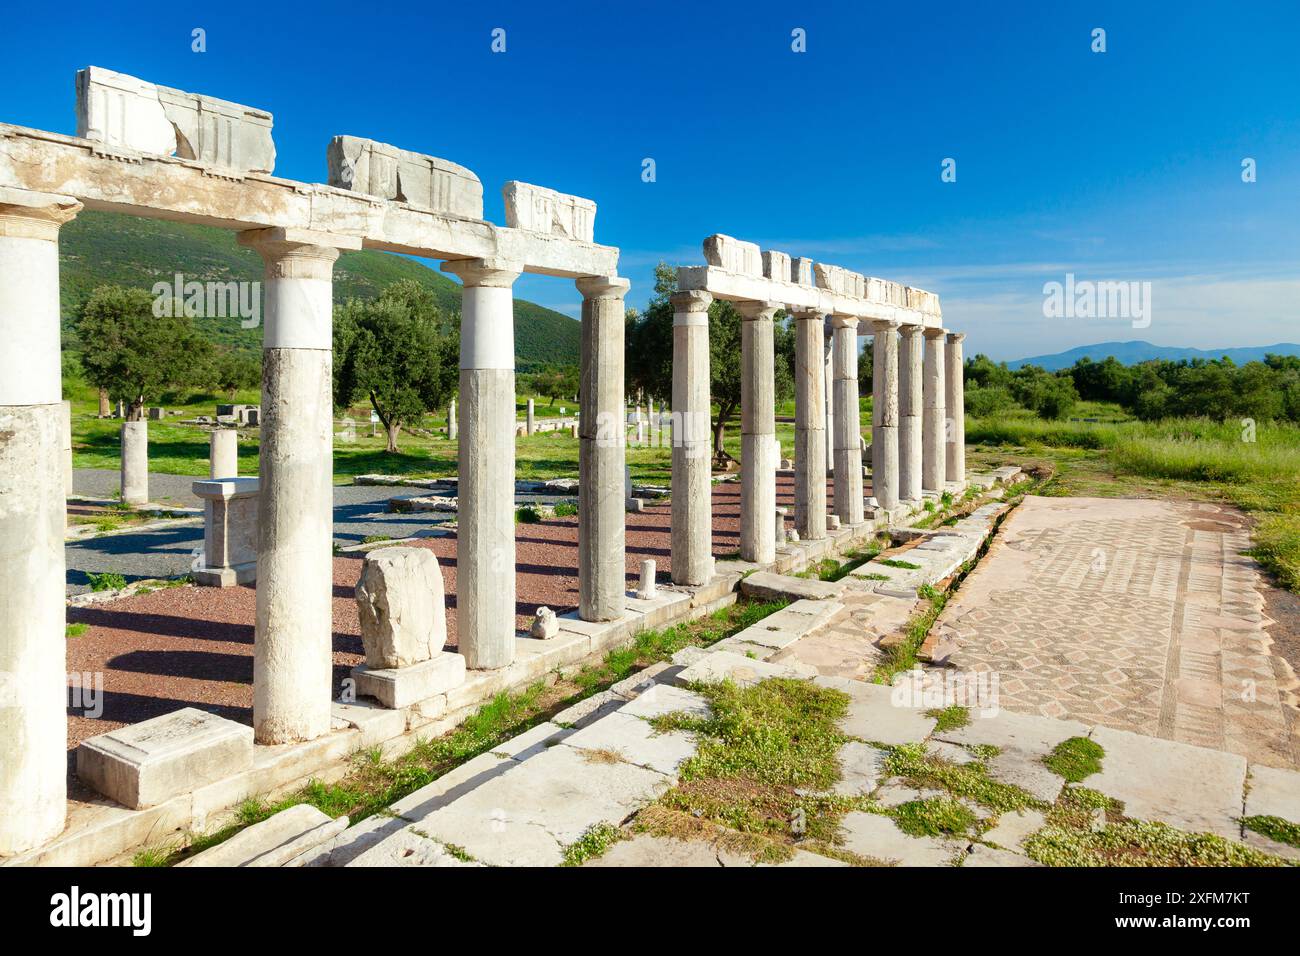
(223, 453)
(758, 452)
(848, 438)
(933, 464)
(955, 403)
(402, 686)
(135, 462)
(884, 415)
(292, 649)
(230, 508)
(602, 497)
(809, 427)
(910, 412)
(485, 553)
(33, 517)
(145, 764)
(692, 513)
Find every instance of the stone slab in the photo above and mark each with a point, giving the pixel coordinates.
(408, 847)
(1192, 788)
(275, 841)
(766, 586)
(660, 699)
(398, 687)
(873, 715)
(861, 766)
(144, 764)
(874, 835)
(743, 671)
(981, 856)
(635, 741)
(1024, 740)
(1014, 828)
(530, 814)
(532, 742)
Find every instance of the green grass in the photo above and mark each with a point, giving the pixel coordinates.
(949, 718)
(1075, 759)
(528, 515)
(566, 509)
(924, 770)
(901, 657)
(105, 581)
(934, 816)
(899, 563)
(76, 629)
(592, 844)
(1275, 828)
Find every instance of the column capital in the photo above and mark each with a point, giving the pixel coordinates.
(602, 287)
(808, 315)
(297, 253)
(490, 273)
(694, 300)
(844, 322)
(749, 311)
(31, 215)
(935, 333)
(881, 326)
(909, 330)
(956, 338)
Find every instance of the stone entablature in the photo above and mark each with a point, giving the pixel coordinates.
(386, 172)
(738, 271)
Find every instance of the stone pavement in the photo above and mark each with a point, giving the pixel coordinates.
(1136, 614)
(600, 763)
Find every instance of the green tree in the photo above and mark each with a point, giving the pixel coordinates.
(398, 351)
(135, 354)
(233, 369)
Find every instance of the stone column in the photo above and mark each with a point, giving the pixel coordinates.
(485, 550)
(692, 505)
(955, 403)
(33, 516)
(293, 639)
(135, 462)
(758, 456)
(532, 419)
(910, 405)
(223, 453)
(809, 427)
(884, 415)
(848, 437)
(602, 582)
(451, 420)
(828, 382)
(932, 443)
(65, 447)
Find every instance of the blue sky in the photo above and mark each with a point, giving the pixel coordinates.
(1123, 165)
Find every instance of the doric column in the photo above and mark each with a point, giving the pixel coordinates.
(485, 534)
(692, 506)
(955, 402)
(911, 403)
(33, 516)
(758, 458)
(932, 440)
(848, 435)
(293, 643)
(828, 387)
(602, 582)
(809, 426)
(884, 415)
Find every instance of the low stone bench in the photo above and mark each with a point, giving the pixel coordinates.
(229, 532)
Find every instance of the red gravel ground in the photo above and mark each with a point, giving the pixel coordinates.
(193, 646)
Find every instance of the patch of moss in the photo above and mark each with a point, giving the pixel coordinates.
(592, 844)
(899, 563)
(934, 816)
(949, 718)
(1275, 828)
(924, 770)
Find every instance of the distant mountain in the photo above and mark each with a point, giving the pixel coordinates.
(1131, 353)
(104, 247)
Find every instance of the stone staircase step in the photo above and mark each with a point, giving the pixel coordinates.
(767, 586)
(276, 841)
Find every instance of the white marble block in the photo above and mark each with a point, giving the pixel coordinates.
(123, 111)
(776, 265)
(230, 507)
(427, 182)
(839, 280)
(801, 271)
(732, 255)
(142, 765)
(402, 607)
(396, 687)
(538, 209)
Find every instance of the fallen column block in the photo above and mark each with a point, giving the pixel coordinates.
(538, 209)
(145, 764)
(384, 171)
(275, 841)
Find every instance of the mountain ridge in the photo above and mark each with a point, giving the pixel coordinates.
(1135, 352)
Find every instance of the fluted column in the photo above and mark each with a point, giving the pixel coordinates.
(485, 531)
(932, 440)
(758, 457)
(884, 415)
(911, 402)
(692, 512)
(809, 426)
(293, 641)
(828, 387)
(33, 517)
(955, 401)
(848, 445)
(602, 545)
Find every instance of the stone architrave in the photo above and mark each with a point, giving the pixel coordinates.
(732, 255)
(426, 182)
(538, 209)
(402, 607)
